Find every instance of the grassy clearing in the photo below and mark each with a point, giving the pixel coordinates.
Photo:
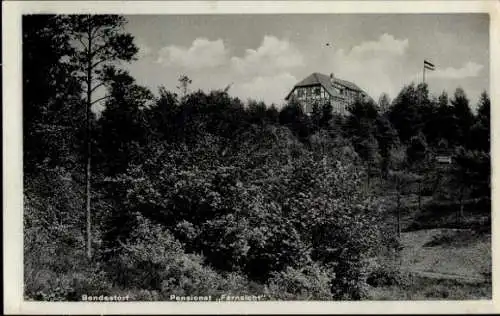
(456, 258)
(421, 288)
(450, 251)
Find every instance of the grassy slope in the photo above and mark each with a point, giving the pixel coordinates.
(448, 251)
(457, 262)
(433, 289)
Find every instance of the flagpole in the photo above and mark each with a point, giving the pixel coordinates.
(424, 74)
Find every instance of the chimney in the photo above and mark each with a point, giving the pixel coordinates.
(332, 77)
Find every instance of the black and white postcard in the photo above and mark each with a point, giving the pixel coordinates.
(249, 157)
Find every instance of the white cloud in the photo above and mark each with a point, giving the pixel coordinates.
(271, 88)
(375, 66)
(386, 44)
(271, 56)
(202, 53)
(469, 69)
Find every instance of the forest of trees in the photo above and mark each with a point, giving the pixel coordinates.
(200, 193)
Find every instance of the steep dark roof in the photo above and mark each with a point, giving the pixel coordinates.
(348, 84)
(315, 79)
(324, 80)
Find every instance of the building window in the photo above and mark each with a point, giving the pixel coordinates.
(300, 93)
(308, 108)
(317, 91)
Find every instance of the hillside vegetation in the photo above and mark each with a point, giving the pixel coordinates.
(200, 193)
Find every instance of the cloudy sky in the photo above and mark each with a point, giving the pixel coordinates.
(263, 56)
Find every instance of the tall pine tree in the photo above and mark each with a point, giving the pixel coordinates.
(100, 43)
(481, 128)
(462, 116)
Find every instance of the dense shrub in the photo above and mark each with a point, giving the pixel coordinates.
(309, 283)
(342, 225)
(55, 266)
(212, 217)
(153, 260)
(50, 285)
(387, 275)
(257, 208)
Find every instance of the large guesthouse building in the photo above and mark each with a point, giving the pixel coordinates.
(320, 89)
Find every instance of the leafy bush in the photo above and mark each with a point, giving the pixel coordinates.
(153, 260)
(145, 295)
(387, 275)
(337, 219)
(309, 283)
(55, 265)
(49, 285)
(261, 206)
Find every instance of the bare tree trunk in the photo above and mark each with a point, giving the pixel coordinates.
(398, 212)
(419, 195)
(399, 220)
(460, 211)
(368, 179)
(88, 193)
(88, 147)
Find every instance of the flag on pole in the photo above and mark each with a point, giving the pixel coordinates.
(428, 65)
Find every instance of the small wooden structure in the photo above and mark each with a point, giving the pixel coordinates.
(443, 159)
